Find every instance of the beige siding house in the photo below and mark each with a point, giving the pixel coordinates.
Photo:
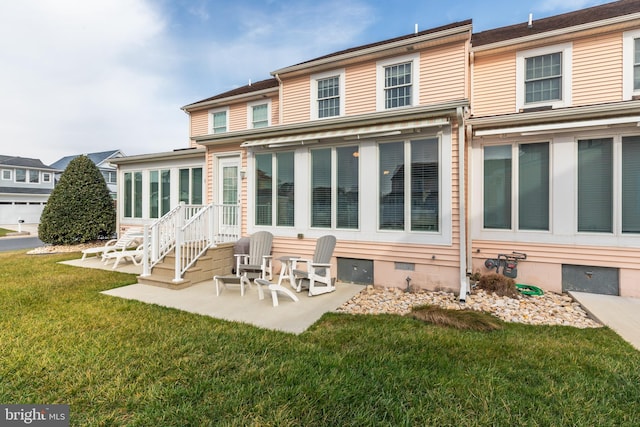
(556, 149)
(427, 154)
(362, 144)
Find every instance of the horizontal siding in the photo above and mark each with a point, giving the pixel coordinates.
(446, 256)
(297, 105)
(494, 84)
(562, 254)
(237, 117)
(275, 110)
(199, 123)
(360, 93)
(442, 74)
(597, 70)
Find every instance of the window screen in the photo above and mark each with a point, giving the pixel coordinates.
(497, 187)
(321, 188)
(533, 186)
(595, 185)
(631, 184)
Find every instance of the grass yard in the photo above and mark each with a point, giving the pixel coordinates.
(4, 232)
(119, 362)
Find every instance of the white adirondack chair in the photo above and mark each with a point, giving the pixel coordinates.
(317, 276)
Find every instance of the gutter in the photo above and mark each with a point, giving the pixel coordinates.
(462, 215)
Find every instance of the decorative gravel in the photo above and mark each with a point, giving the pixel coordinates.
(547, 309)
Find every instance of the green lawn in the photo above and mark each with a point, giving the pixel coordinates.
(4, 232)
(118, 362)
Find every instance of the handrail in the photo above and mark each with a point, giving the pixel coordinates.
(189, 230)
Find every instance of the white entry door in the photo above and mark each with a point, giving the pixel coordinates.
(228, 195)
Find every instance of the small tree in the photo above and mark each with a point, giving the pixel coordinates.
(80, 208)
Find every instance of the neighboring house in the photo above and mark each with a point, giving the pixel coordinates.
(427, 154)
(25, 186)
(102, 161)
(555, 170)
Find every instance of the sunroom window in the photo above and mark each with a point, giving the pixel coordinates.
(274, 171)
(595, 185)
(335, 187)
(410, 165)
(532, 186)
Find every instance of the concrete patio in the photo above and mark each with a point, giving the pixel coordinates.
(288, 316)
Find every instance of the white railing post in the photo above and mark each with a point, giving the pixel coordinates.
(146, 252)
(211, 228)
(178, 248)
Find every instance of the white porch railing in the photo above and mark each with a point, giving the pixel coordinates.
(190, 230)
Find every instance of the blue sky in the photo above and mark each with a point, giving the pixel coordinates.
(79, 76)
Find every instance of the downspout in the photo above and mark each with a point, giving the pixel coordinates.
(462, 215)
(280, 96)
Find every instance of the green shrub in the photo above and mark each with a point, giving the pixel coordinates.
(80, 208)
(500, 285)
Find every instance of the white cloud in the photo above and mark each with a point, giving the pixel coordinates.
(281, 36)
(83, 76)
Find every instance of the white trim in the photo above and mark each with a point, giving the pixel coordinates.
(10, 178)
(415, 80)
(250, 106)
(557, 127)
(210, 119)
(627, 64)
(566, 50)
(340, 73)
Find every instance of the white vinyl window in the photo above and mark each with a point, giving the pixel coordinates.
(528, 175)
(132, 195)
(595, 185)
(218, 121)
(335, 187)
(631, 64)
(46, 177)
(21, 175)
(543, 77)
(397, 81)
(409, 183)
(327, 94)
(159, 192)
(6, 174)
(258, 114)
(275, 189)
(190, 185)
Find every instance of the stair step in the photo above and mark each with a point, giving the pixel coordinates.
(164, 282)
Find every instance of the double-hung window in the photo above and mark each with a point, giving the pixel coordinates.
(631, 64)
(397, 85)
(335, 187)
(218, 121)
(409, 185)
(531, 196)
(329, 97)
(397, 82)
(274, 196)
(34, 176)
(258, 115)
(543, 77)
(6, 174)
(327, 94)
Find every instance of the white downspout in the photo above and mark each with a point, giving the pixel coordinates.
(280, 96)
(464, 280)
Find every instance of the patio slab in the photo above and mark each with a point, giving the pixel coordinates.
(288, 316)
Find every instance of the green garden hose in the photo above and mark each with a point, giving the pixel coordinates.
(529, 289)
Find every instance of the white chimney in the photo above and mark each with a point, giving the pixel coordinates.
(530, 20)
